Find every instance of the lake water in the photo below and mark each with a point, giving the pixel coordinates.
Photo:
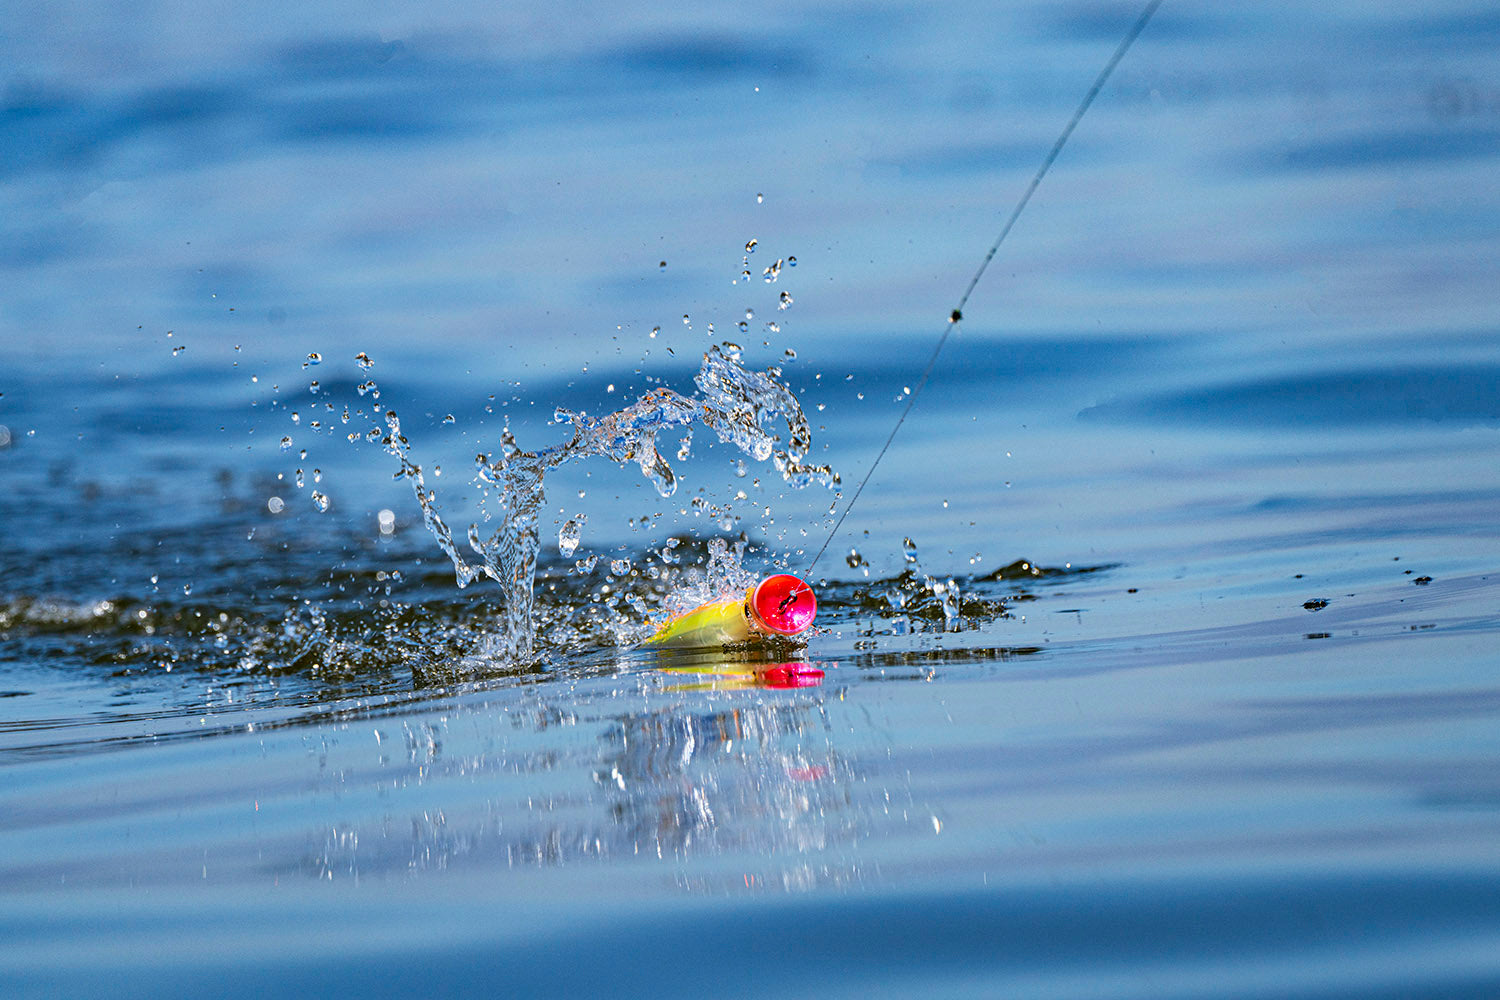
(1212, 463)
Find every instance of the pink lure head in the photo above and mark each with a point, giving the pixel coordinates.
(784, 604)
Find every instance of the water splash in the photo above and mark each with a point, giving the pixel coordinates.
(735, 403)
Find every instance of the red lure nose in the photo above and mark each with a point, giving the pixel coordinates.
(784, 604)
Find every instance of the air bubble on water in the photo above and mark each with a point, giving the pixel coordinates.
(569, 535)
(909, 550)
(363, 360)
(320, 501)
(275, 505)
(286, 443)
(750, 247)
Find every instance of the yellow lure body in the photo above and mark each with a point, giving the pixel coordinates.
(720, 623)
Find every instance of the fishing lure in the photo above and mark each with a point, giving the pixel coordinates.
(779, 606)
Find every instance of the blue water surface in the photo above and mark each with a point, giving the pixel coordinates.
(1211, 459)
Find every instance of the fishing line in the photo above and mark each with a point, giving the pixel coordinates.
(955, 317)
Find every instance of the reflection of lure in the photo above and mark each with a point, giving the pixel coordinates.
(724, 677)
(779, 605)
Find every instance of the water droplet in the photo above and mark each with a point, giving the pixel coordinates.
(786, 300)
(178, 350)
(909, 550)
(317, 475)
(286, 443)
(662, 265)
(312, 387)
(302, 454)
(569, 534)
(320, 501)
(791, 355)
(750, 247)
(299, 479)
(685, 320)
(654, 331)
(619, 567)
(791, 262)
(387, 521)
(739, 468)
(275, 505)
(296, 417)
(187, 588)
(774, 271)
(363, 360)
(759, 198)
(854, 559)
(313, 359)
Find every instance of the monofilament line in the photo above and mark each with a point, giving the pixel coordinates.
(957, 315)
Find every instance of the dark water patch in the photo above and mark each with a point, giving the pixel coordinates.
(698, 57)
(1412, 147)
(1456, 396)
